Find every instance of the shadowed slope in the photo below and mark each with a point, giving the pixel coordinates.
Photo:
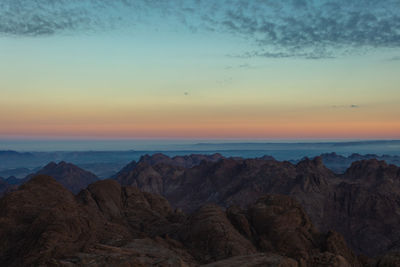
(352, 204)
(69, 175)
(42, 223)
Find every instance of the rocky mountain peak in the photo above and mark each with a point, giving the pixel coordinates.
(69, 175)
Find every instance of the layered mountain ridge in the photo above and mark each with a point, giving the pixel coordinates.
(362, 204)
(109, 224)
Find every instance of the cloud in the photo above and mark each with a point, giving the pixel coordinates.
(346, 106)
(286, 54)
(41, 17)
(241, 66)
(276, 29)
(49, 17)
(315, 29)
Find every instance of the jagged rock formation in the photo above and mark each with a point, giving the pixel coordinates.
(43, 224)
(186, 161)
(363, 204)
(69, 175)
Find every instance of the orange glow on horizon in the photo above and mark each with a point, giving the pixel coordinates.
(167, 130)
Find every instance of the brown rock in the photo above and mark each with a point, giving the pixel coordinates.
(390, 259)
(72, 177)
(40, 221)
(261, 259)
(44, 224)
(283, 226)
(352, 204)
(211, 236)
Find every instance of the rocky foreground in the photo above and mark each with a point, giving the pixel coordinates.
(44, 224)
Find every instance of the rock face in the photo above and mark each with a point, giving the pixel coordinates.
(367, 206)
(280, 225)
(3, 186)
(44, 224)
(72, 177)
(187, 161)
(211, 237)
(352, 204)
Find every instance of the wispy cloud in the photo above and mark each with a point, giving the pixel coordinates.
(286, 54)
(277, 29)
(241, 66)
(311, 29)
(346, 106)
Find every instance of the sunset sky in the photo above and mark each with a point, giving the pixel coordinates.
(200, 69)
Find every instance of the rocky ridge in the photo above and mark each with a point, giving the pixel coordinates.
(44, 224)
(69, 175)
(357, 204)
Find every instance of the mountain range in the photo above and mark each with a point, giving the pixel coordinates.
(112, 225)
(362, 205)
(105, 164)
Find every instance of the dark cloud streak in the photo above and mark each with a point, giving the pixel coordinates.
(346, 106)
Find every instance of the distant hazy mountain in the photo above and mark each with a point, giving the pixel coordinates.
(10, 154)
(339, 164)
(11, 159)
(16, 172)
(105, 164)
(12, 180)
(67, 174)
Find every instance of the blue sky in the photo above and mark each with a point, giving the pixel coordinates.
(201, 69)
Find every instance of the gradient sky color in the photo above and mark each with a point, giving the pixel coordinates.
(200, 69)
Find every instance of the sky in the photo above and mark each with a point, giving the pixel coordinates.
(228, 69)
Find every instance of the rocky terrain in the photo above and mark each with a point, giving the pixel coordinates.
(178, 161)
(363, 204)
(3, 186)
(211, 197)
(44, 224)
(69, 175)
